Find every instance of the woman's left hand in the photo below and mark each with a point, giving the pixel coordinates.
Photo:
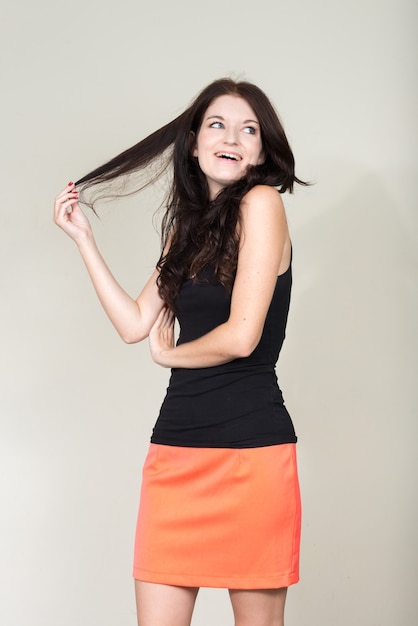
(161, 337)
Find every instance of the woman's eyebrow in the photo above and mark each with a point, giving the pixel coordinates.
(219, 117)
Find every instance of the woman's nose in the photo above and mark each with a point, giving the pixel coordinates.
(231, 135)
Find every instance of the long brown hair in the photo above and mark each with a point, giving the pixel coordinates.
(203, 231)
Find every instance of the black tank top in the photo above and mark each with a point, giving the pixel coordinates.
(234, 405)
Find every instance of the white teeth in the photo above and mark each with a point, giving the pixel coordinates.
(228, 155)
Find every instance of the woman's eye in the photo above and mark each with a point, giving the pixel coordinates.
(216, 125)
(250, 130)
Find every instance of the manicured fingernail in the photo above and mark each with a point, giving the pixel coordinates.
(70, 183)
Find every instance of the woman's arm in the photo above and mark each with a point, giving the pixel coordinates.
(132, 319)
(264, 253)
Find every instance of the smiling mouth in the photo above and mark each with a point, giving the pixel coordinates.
(229, 156)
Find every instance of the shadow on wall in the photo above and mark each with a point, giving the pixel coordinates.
(348, 382)
(354, 291)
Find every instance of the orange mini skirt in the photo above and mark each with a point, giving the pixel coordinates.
(219, 517)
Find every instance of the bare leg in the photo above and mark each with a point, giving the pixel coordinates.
(258, 607)
(164, 605)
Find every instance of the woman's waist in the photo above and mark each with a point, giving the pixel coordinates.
(244, 421)
(244, 392)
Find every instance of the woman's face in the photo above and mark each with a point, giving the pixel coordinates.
(227, 142)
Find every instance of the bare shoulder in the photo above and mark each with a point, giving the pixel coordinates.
(262, 193)
(263, 201)
(264, 234)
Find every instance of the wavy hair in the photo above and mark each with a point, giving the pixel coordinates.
(202, 231)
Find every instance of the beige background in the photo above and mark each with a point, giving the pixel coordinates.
(84, 80)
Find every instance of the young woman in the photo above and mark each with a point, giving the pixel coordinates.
(220, 502)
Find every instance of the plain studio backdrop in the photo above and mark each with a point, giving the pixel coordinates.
(82, 81)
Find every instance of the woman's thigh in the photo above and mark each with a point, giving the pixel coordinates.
(258, 607)
(164, 605)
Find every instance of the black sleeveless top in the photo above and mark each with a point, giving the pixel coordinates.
(234, 405)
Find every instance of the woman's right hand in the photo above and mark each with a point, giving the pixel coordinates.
(69, 216)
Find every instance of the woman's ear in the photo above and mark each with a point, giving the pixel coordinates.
(192, 143)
